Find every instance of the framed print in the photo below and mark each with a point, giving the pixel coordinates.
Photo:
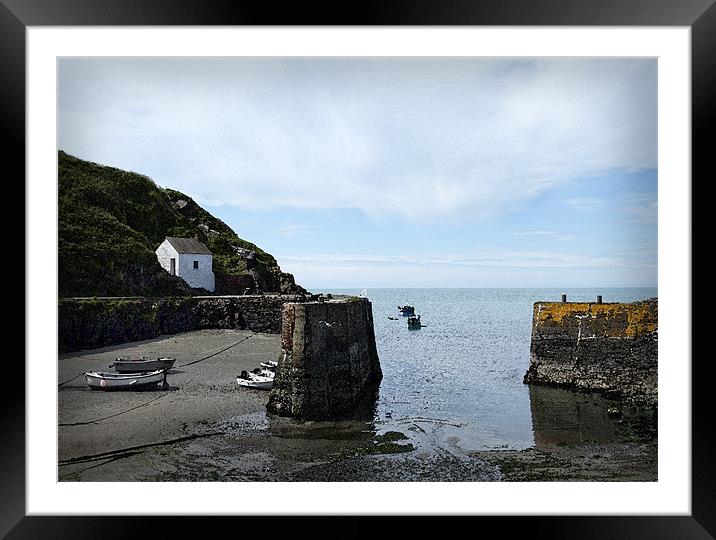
(405, 263)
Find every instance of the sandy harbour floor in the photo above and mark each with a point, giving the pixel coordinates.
(205, 428)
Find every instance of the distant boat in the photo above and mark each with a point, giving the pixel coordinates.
(127, 364)
(271, 364)
(127, 381)
(406, 310)
(364, 293)
(252, 380)
(414, 322)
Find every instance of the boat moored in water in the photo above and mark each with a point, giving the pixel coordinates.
(414, 322)
(406, 310)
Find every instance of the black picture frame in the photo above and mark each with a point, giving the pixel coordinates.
(699, 15)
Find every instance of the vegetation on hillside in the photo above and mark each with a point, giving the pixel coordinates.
(111, 222)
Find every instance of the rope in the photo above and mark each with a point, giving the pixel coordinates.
(68, 380)
(115, 414)
(112, 453)
(219, 352)
(108, 460)
(183, 365)
(97, 420)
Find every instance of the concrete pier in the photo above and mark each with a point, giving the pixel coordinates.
(610, 347)
(329, 362)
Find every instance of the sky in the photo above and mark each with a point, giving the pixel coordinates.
(394, 172)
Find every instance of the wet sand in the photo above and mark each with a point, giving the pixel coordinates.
(206, 428)
(199, 395)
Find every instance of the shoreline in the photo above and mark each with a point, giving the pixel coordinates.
(205, 428)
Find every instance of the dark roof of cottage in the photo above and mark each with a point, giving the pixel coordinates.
(188, 245)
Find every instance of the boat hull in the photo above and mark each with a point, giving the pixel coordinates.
(258, 382)
(131, 381)
(125, 365)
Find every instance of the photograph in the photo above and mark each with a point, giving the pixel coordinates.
(357, 269)
(422, 260)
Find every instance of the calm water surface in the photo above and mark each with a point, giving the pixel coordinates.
(459, 378)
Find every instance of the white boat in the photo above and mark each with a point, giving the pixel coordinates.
(128, 364)
(252, 380)
(98, 380)
(271, 364)
(264, 372)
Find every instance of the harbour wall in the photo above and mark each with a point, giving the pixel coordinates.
(610, 347)
(87, 323)
(329, 366)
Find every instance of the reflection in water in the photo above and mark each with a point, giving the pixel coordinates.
(360, 426)
(460, 377)
(565, 418)
(340, 430)
(456, 386)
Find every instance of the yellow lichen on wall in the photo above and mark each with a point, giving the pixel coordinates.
(557, 311)
(638, 318)
(641, 320)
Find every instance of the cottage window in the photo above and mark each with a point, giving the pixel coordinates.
(196, 265)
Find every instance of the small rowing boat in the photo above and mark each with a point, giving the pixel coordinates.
(264, 372)
(253, 380)
(141, 364)
(271, 364)
(414, 322)
(99, 380)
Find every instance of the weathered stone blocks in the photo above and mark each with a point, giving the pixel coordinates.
(329, 361)
(605, 347)
(86, 323)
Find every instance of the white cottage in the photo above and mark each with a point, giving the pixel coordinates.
(189, 259)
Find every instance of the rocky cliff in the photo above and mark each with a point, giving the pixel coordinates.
(111, 221)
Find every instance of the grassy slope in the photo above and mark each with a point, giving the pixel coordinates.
(111, 221)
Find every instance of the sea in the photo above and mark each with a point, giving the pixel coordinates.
(459, 379)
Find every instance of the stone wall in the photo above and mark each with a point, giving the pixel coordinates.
(86, 323)
(329, 366)
(235, 284)
(605, 347)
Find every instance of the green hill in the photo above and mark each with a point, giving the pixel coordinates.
(111, 221)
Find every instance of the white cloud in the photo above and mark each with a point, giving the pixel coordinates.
(293, 229)
(533, 233)
(418, 138)
(555, 235)
(496, 259)
(584, 203)
(485, 269)
(640, 208)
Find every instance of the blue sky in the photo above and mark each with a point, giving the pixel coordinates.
(395, 172)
